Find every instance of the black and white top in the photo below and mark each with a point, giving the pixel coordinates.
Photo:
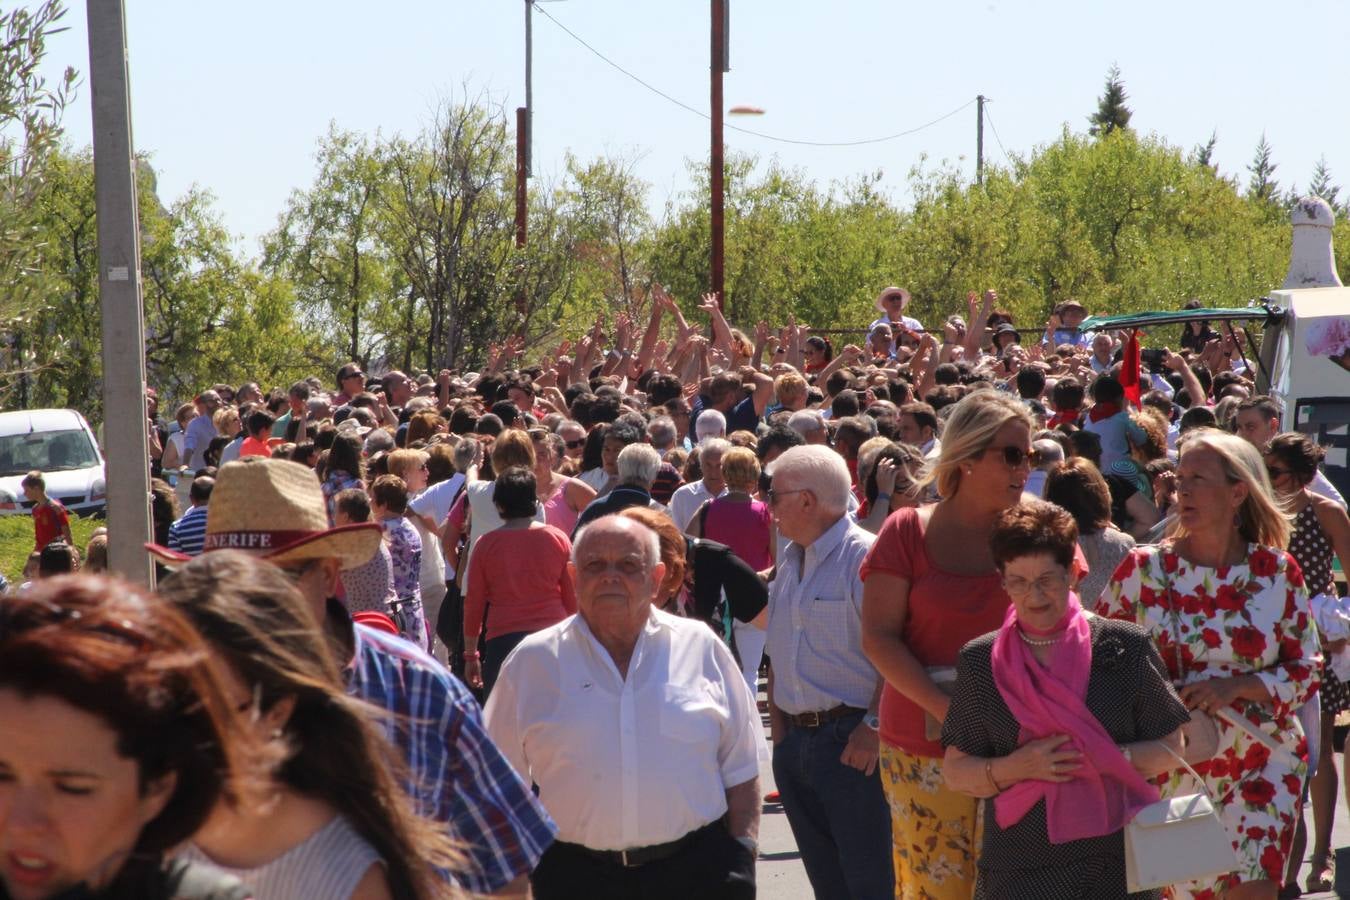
(1129, 693)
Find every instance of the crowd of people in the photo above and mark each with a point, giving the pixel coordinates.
(498, 631)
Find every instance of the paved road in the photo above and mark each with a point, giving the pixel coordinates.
(781, 876)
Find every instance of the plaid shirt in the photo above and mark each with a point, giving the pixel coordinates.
(461, 778)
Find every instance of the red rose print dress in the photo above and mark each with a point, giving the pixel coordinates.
(1234, 620)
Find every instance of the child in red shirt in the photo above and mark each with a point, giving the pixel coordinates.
(50, 519)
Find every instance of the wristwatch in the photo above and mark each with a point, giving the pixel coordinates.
(748, 843)
(873, 721)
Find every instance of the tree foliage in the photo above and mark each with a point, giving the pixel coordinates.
(1112, 114)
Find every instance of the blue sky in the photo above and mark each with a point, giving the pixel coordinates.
(233, 97)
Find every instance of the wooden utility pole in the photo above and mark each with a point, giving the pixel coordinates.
(125, 427)
(719, 66)
(979, 139)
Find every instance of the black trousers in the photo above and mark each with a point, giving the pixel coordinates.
(712, 866)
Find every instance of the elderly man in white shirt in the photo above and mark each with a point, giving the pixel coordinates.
(689, 497)
(640, 733)
(823, 692)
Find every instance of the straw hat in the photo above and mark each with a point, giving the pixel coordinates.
(275, 509)
(892, 292)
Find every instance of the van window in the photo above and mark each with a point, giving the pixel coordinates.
(46, 451)
(1327, 422)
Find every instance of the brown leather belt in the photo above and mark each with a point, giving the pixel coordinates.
(817, 719)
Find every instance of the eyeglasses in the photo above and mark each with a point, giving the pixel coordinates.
(1049, 583)
(1013, 456)
(773, 495)
(573, 445)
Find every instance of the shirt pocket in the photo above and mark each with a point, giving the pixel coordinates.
(830, 624)
(692, 714)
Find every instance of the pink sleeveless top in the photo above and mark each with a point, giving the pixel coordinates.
(557, 512)
(744, 527)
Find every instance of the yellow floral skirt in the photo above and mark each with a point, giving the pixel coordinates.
(934, 831)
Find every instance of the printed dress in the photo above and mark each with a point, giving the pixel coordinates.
(1230, 621)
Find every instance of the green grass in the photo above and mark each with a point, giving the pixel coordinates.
(16, 542)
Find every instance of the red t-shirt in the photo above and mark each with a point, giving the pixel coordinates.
(251, 446)
(519, 579)
(945, 612)
(49, 522)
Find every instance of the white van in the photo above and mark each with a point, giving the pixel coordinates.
(60, 444)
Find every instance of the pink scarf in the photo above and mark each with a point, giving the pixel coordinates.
(1106, 791)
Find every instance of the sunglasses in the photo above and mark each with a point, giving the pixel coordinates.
(1275, 472)
(772, 495)
(573, 445)
(1013, 456)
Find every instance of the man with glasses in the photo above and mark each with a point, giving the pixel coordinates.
(350, 382)
(823, 692)
(201, 430)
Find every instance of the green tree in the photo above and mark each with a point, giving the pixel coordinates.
(331, 246)
(1321, 184)
(1203, 154)
(31, 110)
(1262, 187)
(1112, 113)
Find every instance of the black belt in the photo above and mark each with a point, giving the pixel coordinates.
(817, 719)
(634, 857)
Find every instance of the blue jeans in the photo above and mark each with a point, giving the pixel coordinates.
(838, 815)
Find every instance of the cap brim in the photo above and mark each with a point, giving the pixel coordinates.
(351, 545)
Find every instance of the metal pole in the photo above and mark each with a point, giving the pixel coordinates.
(529, 88)
(719, 13)
(979, 139)
(522, 169)
(119, 286)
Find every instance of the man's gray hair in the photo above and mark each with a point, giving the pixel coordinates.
(711, 423)
(818, 469)
(651, 541)
(638, 464)
(662, 432)
(715, 446)
(806, 421)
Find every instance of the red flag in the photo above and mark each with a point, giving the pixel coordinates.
(1129, 369)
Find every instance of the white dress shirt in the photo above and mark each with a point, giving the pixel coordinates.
(627, 762)
(1322, 486)
(815, 624)
(686, 500)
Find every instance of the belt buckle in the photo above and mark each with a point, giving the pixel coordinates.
(812, 720)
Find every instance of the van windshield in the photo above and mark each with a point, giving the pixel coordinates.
(46, 451)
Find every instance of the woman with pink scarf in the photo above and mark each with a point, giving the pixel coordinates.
(1058, 719)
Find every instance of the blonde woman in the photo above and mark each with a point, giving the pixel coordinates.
(1227, 608)
(744, 524)
(930, 584)
(411, 466)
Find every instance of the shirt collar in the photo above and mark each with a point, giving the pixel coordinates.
(824, 545)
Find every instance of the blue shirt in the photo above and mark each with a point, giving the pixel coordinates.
(815, 623)
(200, 432)
(189, 533)
(456, 774)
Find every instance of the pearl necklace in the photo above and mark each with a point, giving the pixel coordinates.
(1047, 642)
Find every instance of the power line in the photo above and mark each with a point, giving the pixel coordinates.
(758, 134)
(994, 129)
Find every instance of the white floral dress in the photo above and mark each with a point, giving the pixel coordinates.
(1234, 620)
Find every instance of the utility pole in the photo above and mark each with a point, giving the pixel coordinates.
(529, 90)
(979, 139)
(119, 289)
(720, 64)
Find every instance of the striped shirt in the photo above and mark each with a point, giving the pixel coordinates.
(458, 775)
(327, 865)
(815, 624)
(188, 533)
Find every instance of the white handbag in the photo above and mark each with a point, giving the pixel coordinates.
(1181, 838)
(1175, 840)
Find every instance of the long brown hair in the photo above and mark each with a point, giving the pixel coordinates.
(261, 623)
